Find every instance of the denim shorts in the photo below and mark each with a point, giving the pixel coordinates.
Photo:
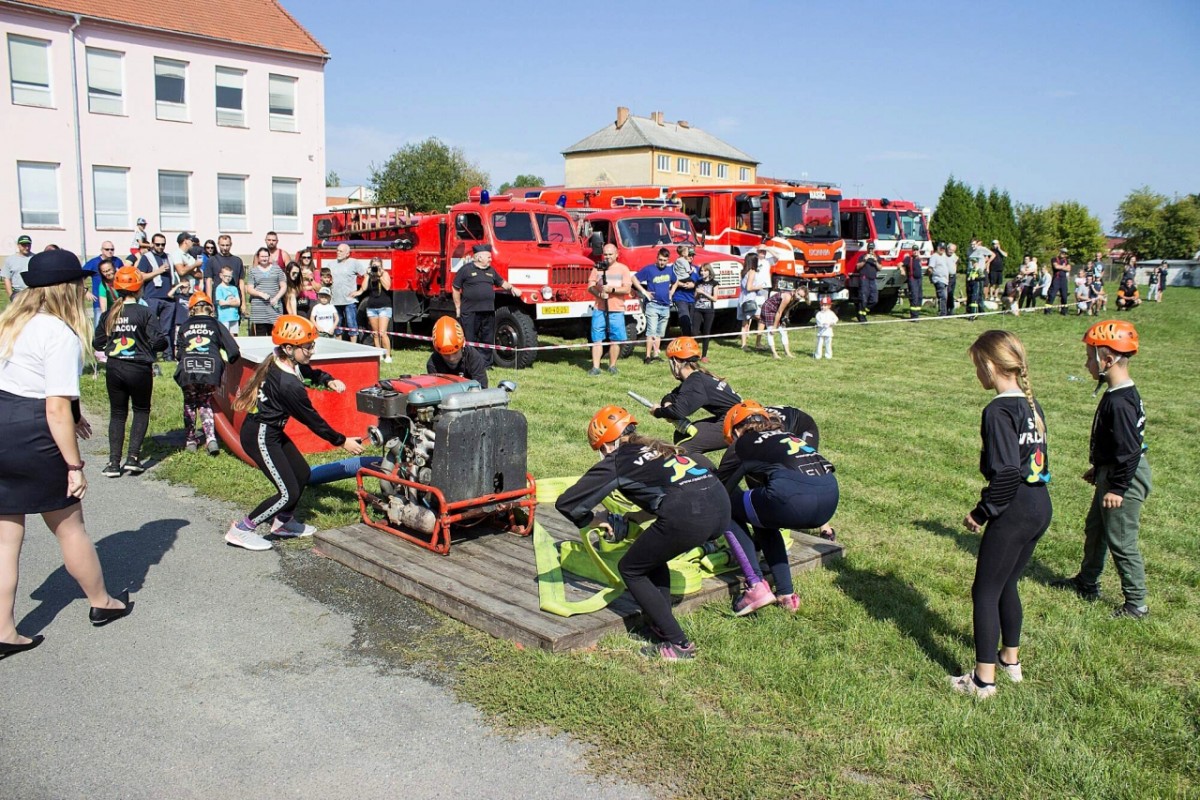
(375, 313)
(656, 320)
(613, 320)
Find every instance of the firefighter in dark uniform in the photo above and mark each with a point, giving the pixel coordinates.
(697, 389)
(868, 289)
(683, 493)
(475, 298)
(452, 355)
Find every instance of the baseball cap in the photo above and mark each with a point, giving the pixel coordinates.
(24, 240)
(185, 235)
(325, 290)
(141, 221)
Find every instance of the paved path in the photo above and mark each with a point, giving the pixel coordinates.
(239, 674)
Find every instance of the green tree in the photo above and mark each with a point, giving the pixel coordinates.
(1036, 232)
(1140, 221)
(1077, 230)
(1180, 229)
(522, 181)
(332, 179)
(427, 176)
(956, 218)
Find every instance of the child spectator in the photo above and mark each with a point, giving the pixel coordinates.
(705, 311)
(826, 319)
(774, 316)
(1083, 294)
(1119, 471)
(324, 314)
(229, 302)
(1012, 296)
(202, 349)
(1099, 296)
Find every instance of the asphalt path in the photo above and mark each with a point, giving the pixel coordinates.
(242, 674)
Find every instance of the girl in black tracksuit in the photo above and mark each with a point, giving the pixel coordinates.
(1013, 509)
(130, 338)
(697, 390)
(682, 492)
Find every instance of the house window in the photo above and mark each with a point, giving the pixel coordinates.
(170, 89)
(722, 170)
(231, 85)
(705, 169)
(282, 103)
(29, 66)
(664, 163)
(174, 207)
(743, 174)
(37, 185)
(285, 204)
(231, 203)
(105, 85)
(682, 165)
(110, 191)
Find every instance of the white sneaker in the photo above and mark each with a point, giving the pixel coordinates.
(387, 359)
(292, 529)
(965, 684)
(1013, 671)
(246, 539)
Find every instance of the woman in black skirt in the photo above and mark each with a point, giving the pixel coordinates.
(43, 334)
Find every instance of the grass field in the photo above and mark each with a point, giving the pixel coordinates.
(849, 698)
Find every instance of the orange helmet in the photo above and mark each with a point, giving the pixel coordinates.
(1115, 334)
(608, 425)
(448, 336)
(198, 298)
(683, 348)
(127, 279)
(740, 413)
(294, 330)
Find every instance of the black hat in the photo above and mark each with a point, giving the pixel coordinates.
(185, 235)
(481, 248)
(52, 267)
(24, 240)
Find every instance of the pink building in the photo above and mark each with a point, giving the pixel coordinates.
(199, 115)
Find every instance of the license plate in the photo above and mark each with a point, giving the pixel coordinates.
(726, 291)
(550, 311)
(785, 285)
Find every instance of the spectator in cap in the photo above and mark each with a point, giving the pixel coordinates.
(16, 264)
(475, 298)
(140, 237)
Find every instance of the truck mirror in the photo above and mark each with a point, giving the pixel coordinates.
(756, 203)
(596, 243)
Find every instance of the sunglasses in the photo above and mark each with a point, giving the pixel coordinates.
(306, 257)
(107, 249)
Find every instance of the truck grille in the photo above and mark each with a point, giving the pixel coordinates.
(569, 276)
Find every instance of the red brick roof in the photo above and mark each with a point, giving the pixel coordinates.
(259, 23)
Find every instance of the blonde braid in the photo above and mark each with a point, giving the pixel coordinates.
(1023, 382)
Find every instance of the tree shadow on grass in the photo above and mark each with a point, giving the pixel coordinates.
(969, 543)
(125, 556)
(889, 598)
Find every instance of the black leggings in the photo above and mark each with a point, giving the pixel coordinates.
(702, 322)
(1005, 550)
(708, 438)
(279, 459)
(128, 383)
(687, 520)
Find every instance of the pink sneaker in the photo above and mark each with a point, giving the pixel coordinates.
(789, 602)
(753, 599)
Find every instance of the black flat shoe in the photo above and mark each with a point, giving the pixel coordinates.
(103, 616)
(7, 650)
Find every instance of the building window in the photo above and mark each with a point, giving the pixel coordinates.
(231, 85)
(682, 165)
(170, 89)
(231, 203)
(664, 163)
(705, 169)
(110, 191)
(282, 103)
(174, 207)
(29, 66)
(722, 170)
(743, 174)
(105, 84)
(37, 185)
(285, 204)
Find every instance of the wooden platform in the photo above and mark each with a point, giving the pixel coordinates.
(489, 581)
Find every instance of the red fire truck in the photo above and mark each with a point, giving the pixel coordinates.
(892, 229)
(534, 246)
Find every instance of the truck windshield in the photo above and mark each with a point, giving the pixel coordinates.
(887, 225)
(806, 218)
(513, 226)
(650, 231)
(555, 227)
(914, 226)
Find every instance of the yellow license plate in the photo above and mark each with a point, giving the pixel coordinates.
(555, 310)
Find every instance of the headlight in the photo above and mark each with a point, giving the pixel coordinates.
(547, 293)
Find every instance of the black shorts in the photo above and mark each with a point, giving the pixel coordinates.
(995, 277)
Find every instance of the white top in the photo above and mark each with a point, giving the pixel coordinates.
(324, 316)
(46, 360)
(825, 320)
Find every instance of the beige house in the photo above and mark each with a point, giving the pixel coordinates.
(647, 150)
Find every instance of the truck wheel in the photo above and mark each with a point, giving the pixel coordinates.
(514, 329)
(886, 303)
(635, 327)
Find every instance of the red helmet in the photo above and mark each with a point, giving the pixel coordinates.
(197, 298)
(607, 425)
(683, 348)
(740, 413)
(448, 336)
(127, 279)
(1115, 334)
(294, 330)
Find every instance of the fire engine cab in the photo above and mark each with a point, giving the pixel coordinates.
(892, 229)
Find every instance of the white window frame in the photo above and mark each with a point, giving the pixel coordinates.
(743, 174)
(683, 165)
(705, 169)
(664, 163)
(110, 198)
(170, 110)
(30, 91)
(36, 181)
(230, 117)
(282, 222)
(175, 217)
(282, 120)
(228, 220)
(722, 170)
(105, 81)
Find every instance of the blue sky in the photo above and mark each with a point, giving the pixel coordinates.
(1049, 100)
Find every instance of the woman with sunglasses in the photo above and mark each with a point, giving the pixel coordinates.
(273, 395)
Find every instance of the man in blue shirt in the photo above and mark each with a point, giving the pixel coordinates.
(654, 283)
(107, 250)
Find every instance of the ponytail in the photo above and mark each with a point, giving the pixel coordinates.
(247, 396)
(656, 446)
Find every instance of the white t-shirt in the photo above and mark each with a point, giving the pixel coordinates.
(324, 317)
(825, 320)
(46, 360)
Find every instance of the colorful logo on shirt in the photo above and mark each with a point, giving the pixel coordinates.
(1037, 468)
(682, 466)
(122, 346)
(198, 343)
(797, 446)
